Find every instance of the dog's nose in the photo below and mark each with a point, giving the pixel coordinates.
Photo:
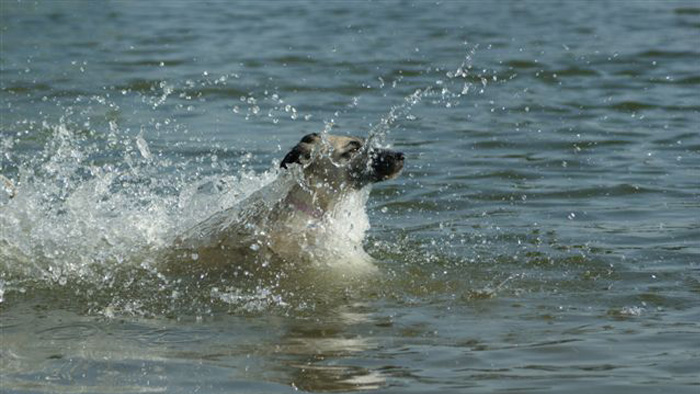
(399, 156)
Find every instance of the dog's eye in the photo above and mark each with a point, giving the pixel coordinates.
(351, 147)
(351, 150)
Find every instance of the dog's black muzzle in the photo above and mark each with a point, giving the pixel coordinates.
(386, 164)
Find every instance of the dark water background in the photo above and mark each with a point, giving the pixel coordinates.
(544, 236)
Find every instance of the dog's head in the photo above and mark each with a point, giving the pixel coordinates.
(340, 161)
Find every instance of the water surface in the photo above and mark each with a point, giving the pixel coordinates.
(544, 235)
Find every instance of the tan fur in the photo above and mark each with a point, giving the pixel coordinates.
(287, 222)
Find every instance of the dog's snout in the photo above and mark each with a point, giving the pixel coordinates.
(387, 155)
(386, 164)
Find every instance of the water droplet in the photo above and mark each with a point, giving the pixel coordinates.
(143, 147)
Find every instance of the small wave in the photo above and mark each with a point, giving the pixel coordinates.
(139, 63)
(629, 106)
(687, 11)
(691, 80)
(666, 54)
(295, 60)
(21, 88)
(576, 71)
(522, 64)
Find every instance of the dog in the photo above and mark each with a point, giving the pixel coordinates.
(313, 214)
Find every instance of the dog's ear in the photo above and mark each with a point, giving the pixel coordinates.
(302, 150)
(310, 138)
(295, 155)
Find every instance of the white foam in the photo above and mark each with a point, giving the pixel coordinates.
(70, 215)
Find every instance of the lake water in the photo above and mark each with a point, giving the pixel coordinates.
(544, 235)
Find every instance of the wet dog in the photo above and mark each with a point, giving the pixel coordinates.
(313, 214)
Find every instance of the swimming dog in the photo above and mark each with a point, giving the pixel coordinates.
(293, 221)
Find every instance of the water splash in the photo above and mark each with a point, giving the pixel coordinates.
(95, 208)
(96, 231)
(448, 90)
(80, 219)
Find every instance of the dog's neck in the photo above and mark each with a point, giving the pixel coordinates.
(313, 204)
(304, 207)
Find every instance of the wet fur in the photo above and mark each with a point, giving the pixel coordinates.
(285, 226)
